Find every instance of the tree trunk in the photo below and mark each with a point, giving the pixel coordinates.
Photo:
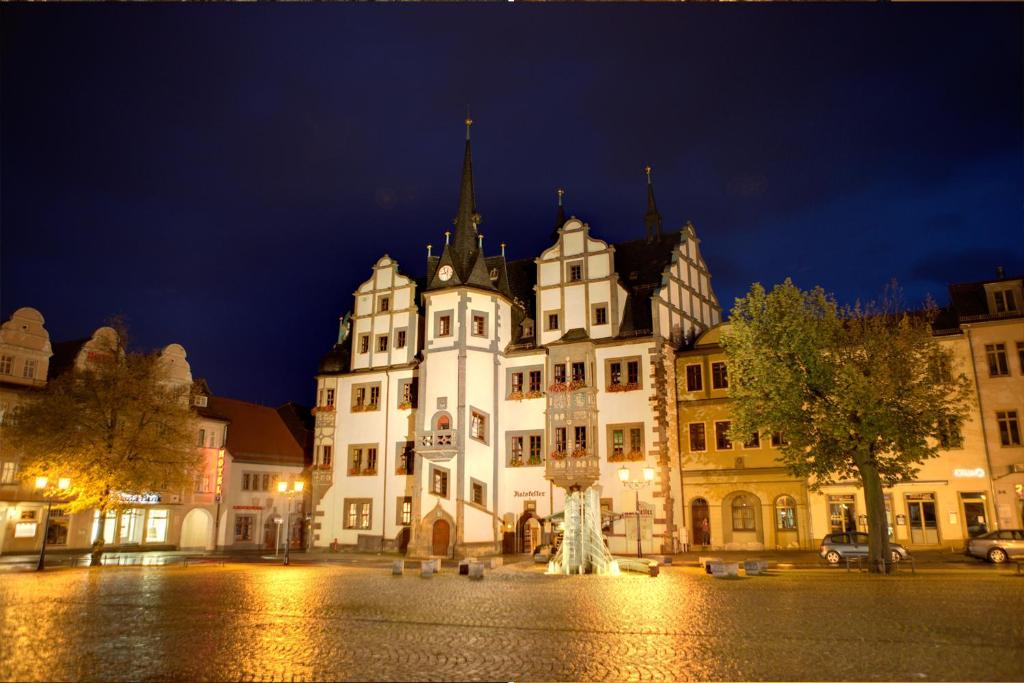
(96, 559)
(879, 560)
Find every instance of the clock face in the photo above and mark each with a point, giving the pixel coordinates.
(445, 273)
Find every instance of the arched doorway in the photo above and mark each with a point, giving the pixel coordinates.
(530, 532)
(197, 530)
(701, 520)
(441, 532)
(402, 541)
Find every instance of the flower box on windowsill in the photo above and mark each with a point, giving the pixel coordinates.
(576, 385)
(537, 460)
(634, 455)
(368, 471)
(558, 387)
(558, 455)
(534, 394)
(515, 462)
(364, 408)
(401, 470)
(323, 466)
(405, 405)
(353, 471)
(579, 452)
(516, 396)
(632, 386)
(616, 457)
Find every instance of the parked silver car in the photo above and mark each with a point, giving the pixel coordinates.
(997, 546)
(836, 547)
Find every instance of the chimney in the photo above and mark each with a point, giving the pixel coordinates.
(1000, 273)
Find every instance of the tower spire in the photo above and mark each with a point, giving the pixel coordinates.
(464, 243)
(652, 219)
(559, 214)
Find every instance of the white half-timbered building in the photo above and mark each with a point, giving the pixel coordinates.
(447, 400)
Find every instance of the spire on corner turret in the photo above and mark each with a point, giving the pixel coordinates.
(465, 243)
(652, 219)
(559, 215)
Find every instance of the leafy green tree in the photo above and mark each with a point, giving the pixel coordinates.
(859, 393)
(117, 426)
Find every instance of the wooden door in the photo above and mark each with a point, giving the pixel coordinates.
(440, 541)
(698, 514)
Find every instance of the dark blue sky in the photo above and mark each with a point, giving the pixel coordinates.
(225, 176)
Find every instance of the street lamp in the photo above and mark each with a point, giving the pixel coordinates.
(41, 483)
(289, 493)
(636, 486)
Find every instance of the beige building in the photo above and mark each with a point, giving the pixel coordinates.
(751, 502)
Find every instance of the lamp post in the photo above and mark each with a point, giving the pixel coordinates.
(289, 493)
(41, 483)
(636, 486)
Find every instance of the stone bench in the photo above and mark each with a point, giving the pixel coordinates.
(398, 568)
(705, 562)
(724, 569)
(754, 567)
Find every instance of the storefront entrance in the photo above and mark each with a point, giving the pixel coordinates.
(439, 541)
(842, 513)
(924, 528)
(972, 508)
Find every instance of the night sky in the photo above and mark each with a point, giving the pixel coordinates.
(225, 176)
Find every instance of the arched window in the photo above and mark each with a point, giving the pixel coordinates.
(742, 513)
(444, 422)
(785, 513)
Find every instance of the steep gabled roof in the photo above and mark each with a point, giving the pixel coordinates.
(258, 434)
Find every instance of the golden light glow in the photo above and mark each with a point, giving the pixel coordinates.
(63, 483)
(623, 473)
(649, 474)
(282, 486)
(41, 482)
(298, 485)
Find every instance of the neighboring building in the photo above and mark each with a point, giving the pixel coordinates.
(449, 402)
(974, 485)
(990, 317)
(240, 468)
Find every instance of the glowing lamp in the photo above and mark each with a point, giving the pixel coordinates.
(63, 483)
(298, 485)
(648, 474)
(282, 486)
(41, 482)
(623, 473)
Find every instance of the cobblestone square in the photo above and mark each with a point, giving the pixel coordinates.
(261, 622)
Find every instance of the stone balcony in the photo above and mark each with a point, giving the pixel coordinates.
(437, 445)
(573, 471)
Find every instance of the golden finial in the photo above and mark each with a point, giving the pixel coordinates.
(561, 193)
(447, 234)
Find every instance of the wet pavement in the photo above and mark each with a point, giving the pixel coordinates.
(338, 621)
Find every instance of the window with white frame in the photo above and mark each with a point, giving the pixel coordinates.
(358, 513)
(694, 381)
(478, 425)
(785, 513)
(404, 517)
(7, 471)
(1009, 429)
(722, 441)
(6, 365)
(382, 343)
(719, 376)
(29, 371)
(1005, 301)
(698, 437)
(742, 513)
(997, 364)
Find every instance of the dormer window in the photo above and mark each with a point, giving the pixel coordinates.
(494, 274)
(199, 400)
(1005, 301)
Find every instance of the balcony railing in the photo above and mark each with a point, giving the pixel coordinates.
(437, 445)
(573, 471)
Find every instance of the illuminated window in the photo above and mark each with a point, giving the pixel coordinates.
(694, 381)
(559, 369)
(997, 365)
(357, 513)
(478, 426)
(156, 526)
(479, 326)
(719, 376)
(742, 513)
(444, 326)
(7, 472)
(722, 441)
(243, 528)
(698, 438)
(785, 513)
(517, 382)
(405, 510)
(1009, 430)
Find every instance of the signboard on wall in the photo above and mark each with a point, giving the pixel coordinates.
(25, 529)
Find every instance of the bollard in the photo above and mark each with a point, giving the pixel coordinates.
(427, 569)
(464, 568)
(398, 567)
(476, 570)
(653, 569)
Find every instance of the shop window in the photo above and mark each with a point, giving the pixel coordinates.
(156, 526)
(785, 513)
(719, 376)
(742, 513)
(108, 526)
(698, 438)
(694, 380)
(1009, 429)
(997, 364)
(722, 441)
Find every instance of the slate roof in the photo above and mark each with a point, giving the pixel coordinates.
(258, 434)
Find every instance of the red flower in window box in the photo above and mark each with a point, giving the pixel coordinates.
(353, 471)
(616, 457)
(401, 470)
(535, 394)
(405, 405)
(369, 471)
(635, 455)
(558, 455)
(515, 396)
(358, 408)
(579, 452)
(558, 386)
(576, 384)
